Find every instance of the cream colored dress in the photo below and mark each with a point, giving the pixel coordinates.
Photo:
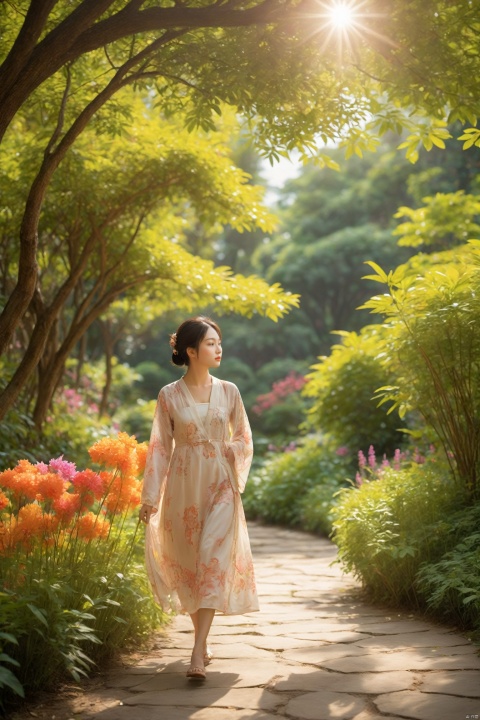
(197, 547)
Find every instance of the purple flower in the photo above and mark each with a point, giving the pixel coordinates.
(65, 469)
(397, 459)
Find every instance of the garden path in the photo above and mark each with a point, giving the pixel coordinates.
(313, 652)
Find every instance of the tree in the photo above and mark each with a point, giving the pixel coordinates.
(95, 248)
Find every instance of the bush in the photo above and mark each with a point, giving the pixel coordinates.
(151, 378)
(343, 386)
(72, 589)
(276, 492)
(137, 419)
(317, 506)
(387, 528)
(451, 586)
(432, 307)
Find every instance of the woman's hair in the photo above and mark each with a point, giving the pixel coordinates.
(189, 335)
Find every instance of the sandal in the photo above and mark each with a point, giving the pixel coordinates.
(208, 655)
(196, 673)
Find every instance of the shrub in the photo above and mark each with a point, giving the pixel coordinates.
(432, 308)
(318, 503)
(343, 386)
(69, 562)
(276, 492)
(387, 528)
(137, 419)
(150, 378)
(451, 586)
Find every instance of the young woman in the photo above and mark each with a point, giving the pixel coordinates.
(197, 548)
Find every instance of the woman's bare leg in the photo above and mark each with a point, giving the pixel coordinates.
(202, 621)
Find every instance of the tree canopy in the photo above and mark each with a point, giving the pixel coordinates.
(293, 78)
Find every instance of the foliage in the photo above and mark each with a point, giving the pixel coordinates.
(123, 249)
(434, 348)
(444, 220)
(137, 418)
(276, 493)
(387, 528)
(451, 586)
(327, 273)
(343, 386)
(69, 558)
(151, 378)
(317, 505)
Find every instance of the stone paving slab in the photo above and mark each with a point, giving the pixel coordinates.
(402, 660)
(433, 638)
(303, 678)
(464, 684)
(325, 706)
(207, 697)
(315, 651)
(421, 706)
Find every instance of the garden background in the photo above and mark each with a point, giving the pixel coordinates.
(134, 137)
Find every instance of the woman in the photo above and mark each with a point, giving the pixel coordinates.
(197, 548)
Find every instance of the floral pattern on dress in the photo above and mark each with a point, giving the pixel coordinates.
(191, 523)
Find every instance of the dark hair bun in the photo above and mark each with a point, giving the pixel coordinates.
(189, 335)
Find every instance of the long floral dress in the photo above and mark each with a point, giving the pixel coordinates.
(197, 547)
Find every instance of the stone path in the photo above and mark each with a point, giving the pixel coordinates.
(312, 653)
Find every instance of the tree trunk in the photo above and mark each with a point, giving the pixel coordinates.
(52, 374)
(108, 344)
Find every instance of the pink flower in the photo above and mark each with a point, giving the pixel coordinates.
(341, 451)
(371, 457)
(385, 462)
(42, 467)
(418, 457)
(64, 468)
(362, 460)
(358, 479)
(397, 457)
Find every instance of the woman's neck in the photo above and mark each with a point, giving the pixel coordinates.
(198, 377)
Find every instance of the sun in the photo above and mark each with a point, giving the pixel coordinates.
(342, 16)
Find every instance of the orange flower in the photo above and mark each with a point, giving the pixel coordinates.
(66, 506)
(4, 501)
(28, 526)
(124, 494)
(90, 526)
(29, 518)
(22, 480)
(49, 524)
(142, 451)
(119, 452)
(50, 486)
(107, 479)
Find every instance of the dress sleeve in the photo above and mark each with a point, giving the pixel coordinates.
(240, 441)
(159, 453)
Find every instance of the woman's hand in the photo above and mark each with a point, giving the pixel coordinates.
(145, 512)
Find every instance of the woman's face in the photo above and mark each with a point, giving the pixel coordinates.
(209, 352)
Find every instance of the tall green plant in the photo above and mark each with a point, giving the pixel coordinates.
(343, 386)
(432, 319)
